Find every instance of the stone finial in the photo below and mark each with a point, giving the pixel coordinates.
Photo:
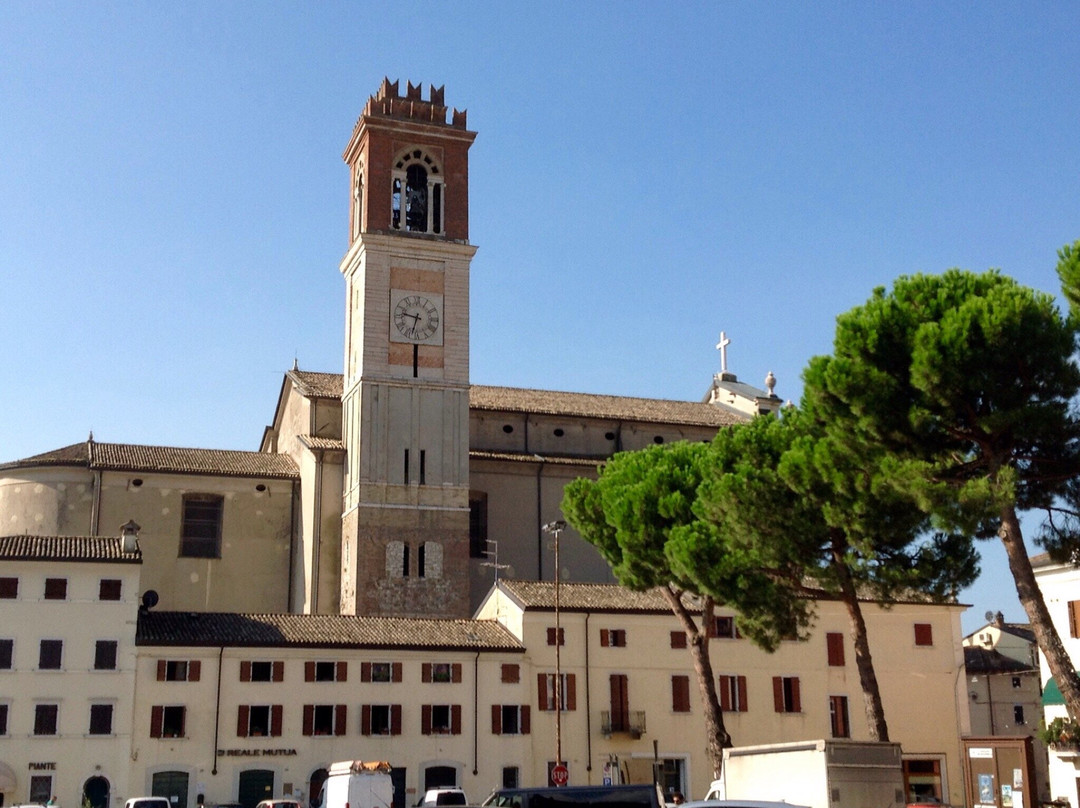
(770, 384)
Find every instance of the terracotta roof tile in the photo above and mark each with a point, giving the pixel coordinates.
(321, 631)
(985, 660)
(325, 444)
(66, 548)
(531, 457)
(317, 385)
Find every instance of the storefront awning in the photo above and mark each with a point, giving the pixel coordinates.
(1052, 693)
(7, 777)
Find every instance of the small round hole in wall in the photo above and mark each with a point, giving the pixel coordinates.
(559, 433)
(260, 487)
(136, 482)
(508, 429)
(658, 439)
(609, 436)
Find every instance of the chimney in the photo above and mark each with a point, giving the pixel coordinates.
(130, 534)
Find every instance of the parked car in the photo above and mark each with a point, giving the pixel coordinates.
(148, 802)
(632, 796)
(443, 796)
(739, 804)
(280, 802)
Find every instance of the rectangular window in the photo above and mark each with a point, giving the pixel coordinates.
(50, 655)
(612, 638)
(786, 694)
(101, 719)
(1016, 681)
(7, 648)
(551, 636)
(262, 671)
(56, 589)
(41, 788)
(323, 671)
(3, 719)
(834, 643)
(200, 535)
(178, 670)
(838, 717)
(380, 672)
(440, 719)
(478, 524)
(724, 627)
(105, 655)
(9, 588)
(380, 719)
(1018, 715)
(924, 634)
(440, 672)
(109, 589)
(258, 721)
(678, 639)
(509, 719)
(511, 776)
(45, 719)
(511, 674)
(680, 694)
(732, 693)
(167, 722)
(546, 698)
(324, 719)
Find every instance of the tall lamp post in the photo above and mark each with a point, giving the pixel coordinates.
(555, 528)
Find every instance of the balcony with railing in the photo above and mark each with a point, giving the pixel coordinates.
(631, 722)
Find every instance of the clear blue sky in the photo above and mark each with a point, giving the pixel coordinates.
(173, 201)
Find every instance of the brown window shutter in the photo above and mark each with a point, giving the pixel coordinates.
(455, 719)
(455, 672)
(496, 719)
(395, 672)
(605, 638)
(309, 719)
(778, 694)
(275, 721)
(1074, 624)
(183, 722)
(526, 724)
(156, 717)
(834, 642)
(680, 694)
(511, 674)
(924, 634)
(740, 682)
(796, 702)
(161, 665)
(619, 638)
(725, 693)
(395, 719)
(678, 639)
(425, 719)
(342, 672)
(242, 713)
(278, 674)
(365, 719)
(339, 719)
(194, 668)
(551, 635)
(542, 691)
(309, 671)
(245, 671)
(365, 673)
(425, 672)
(571, 692)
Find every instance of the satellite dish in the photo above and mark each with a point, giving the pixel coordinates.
(989, 616)
(149, 599)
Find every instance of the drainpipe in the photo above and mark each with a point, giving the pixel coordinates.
(539, 521)
(476, 714)
(316, 532)
(588, 705)
(217, 710)
(292, 543)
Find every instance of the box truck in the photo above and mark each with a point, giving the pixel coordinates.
(358, 784)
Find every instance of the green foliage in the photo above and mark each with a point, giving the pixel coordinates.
(1060, 732)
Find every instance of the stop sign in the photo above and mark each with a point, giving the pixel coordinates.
(560, 775)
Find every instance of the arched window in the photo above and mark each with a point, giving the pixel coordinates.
(358, 201)
(417, 193)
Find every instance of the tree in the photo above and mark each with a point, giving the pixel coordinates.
(639, 514)
(963, 385)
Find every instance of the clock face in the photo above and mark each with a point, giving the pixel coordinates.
(416, 317)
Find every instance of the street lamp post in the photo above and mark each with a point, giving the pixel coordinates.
(555, 528)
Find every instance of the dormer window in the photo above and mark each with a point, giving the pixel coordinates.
(417, 194)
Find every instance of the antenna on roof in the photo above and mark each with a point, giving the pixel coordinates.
(493, 554)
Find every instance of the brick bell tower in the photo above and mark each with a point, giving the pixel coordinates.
(405, 400)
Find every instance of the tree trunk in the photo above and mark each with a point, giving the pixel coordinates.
(875, 710)
(1031, 598)
(717, 738)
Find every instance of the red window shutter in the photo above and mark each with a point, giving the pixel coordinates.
(342, 672)
(455, 719)
(309, 719)
(678, 639)
(275, 721)
(496, 719)
(395, 672)
(156, 716)
(161, 665)
(680, 694)
(526, 724)
(425, 672)
(365, 719)
(278, 674)
(725, 693)
(834, 642)
(618, 638)
(395, 719)
(242, 713)
(339, 719)
(778, 693)
(511, 674)
(425, 719)
(309, 671)
(744, 705)
(571, 692)
(542, 691)
(365, 672)
(551, 635)
(796, 702)
(605, 638)
(194, 668)
(924, 634)
(455, 672)
(245, 671)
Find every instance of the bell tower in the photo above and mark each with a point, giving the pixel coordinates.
(405, 397)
